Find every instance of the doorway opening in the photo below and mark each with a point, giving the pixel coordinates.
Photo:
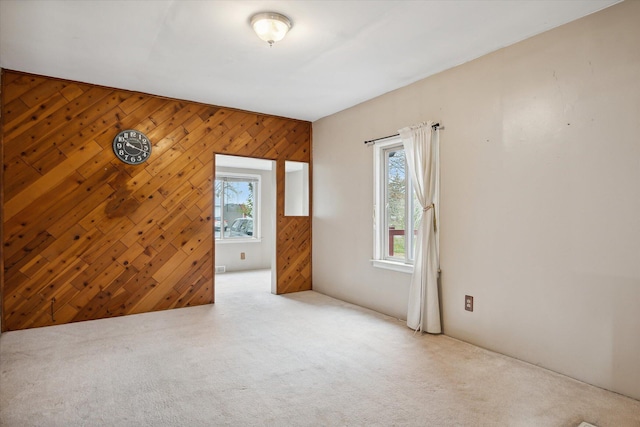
(244, 225)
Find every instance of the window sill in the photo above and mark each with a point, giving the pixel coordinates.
(228, 241)
(392, 265)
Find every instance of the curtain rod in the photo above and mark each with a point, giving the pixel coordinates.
(371, 141)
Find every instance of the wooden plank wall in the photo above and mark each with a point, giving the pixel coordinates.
(87, 236)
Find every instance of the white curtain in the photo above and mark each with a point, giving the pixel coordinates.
(421, 150)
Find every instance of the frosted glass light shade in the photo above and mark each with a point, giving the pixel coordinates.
(270, 26)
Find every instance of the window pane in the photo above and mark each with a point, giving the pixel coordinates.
(396, 187)
(235, 208)
(217, 225)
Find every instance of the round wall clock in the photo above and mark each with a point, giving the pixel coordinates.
(132, 147)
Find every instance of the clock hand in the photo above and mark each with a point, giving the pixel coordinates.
(128, 144)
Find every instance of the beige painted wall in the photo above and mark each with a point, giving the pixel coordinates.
(540, 199)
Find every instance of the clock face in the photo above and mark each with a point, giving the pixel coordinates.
(132, 147)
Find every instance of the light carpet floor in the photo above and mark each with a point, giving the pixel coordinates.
(303, 359)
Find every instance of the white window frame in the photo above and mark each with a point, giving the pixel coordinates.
(380, 234)
(257, 229)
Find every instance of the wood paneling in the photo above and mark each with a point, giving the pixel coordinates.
(87, 236)
(293, 258)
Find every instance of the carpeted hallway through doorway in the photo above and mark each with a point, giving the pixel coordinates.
(257, 359)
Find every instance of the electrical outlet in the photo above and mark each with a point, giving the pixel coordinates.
(468, 302)
(242, 255)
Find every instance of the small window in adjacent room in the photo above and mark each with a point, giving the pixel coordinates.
(396, 209)
(236, 207)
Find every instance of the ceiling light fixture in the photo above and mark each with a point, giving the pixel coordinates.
(270, 26)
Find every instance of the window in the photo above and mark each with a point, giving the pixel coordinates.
(396, 208)
(236, 207)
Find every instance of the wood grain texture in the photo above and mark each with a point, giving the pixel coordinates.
(86, 236)
(293, 240)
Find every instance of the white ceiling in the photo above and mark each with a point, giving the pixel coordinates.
(223, 160)
(243, 162)
(338, 53)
